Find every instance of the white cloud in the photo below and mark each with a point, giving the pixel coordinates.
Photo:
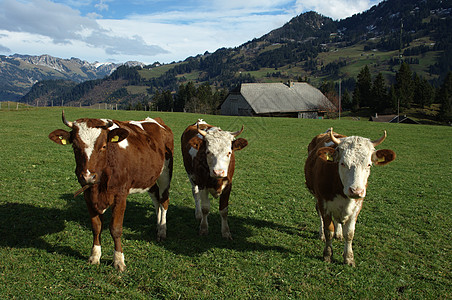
(64, 25)
(169, 33)
(336, 9)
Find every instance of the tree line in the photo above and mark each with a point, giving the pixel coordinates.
(408, 90)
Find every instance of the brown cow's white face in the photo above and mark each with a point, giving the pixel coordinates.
(218, 151)
(90, 139)
(354, 157)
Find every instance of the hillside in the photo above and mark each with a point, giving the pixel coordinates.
(315, 48)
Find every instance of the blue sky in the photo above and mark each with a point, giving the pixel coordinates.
(148, 31)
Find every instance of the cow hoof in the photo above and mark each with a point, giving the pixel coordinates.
(350, 262)
(203, 231)
(94, 260)
(121, 267)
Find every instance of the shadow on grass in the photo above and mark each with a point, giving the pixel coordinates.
(25, 225)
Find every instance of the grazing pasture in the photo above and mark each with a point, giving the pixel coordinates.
(402, 243)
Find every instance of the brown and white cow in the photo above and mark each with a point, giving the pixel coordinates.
(336, 171)
(114, 159)
(209, 159)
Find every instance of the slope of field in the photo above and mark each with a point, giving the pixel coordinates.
(402, 242)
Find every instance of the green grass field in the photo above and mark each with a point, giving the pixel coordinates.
(402, 244)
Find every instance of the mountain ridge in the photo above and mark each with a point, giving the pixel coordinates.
(313, 47)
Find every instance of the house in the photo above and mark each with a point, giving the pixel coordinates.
(392, 119)
(293, 99)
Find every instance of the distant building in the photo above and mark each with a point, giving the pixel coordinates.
(392, 119)
(294, 99)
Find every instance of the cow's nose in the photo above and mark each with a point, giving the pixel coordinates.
(90, 178)
(219, 173)
(356, 192)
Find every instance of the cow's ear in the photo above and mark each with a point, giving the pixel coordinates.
(60, 136)
(117, 135)
(239, 144)
(383, 157)
(326, 154)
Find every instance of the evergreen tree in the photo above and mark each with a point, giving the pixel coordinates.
(364, 86)
(423, 91)
(346, 100)
(356, 99)
(444, 97)
(379, 95)
(404, 86)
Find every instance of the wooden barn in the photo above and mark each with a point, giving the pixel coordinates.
(293, 99)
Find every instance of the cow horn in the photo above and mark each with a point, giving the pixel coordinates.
(235, 134)
(200, 131)
(68, 124)
(333, 138)
(109, 124)
(380, 140)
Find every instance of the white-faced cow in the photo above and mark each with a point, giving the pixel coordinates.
(336, 171)
(114, 159)
(209, 160)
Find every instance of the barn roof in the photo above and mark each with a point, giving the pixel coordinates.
(281, 97)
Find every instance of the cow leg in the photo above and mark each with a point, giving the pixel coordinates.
(321, 234)
(224, 201)
(161, 208)
(96, 227)
(349, 232)
(197, 197)
(328, 226)
(338, 231)
(205, 209)
(117, 219)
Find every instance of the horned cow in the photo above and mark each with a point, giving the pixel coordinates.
(336, 171)
(114, 159)
(209, 159)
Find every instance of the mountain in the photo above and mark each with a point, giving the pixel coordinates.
(18, 72)
(309, 47)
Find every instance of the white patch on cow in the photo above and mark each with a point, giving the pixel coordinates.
(123, 144)
(355, 160)
(163, 182)
(88, 135)
(219, 149)
(329, 144)
(193, 152)
(137, 191)
(138, 124)
(201, 122)
(96, 253)
(342, 209)
(150, 120)
(118, 260)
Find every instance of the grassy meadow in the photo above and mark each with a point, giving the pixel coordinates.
(402, 242)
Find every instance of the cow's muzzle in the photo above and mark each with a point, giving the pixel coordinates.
(218, 173)
(356, 193)
(88, 178)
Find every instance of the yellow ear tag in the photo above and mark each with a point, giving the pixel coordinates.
(63, 141)
(381, 159)
(114, 139)
(329, 157)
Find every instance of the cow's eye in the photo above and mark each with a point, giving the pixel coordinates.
(229, 153)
